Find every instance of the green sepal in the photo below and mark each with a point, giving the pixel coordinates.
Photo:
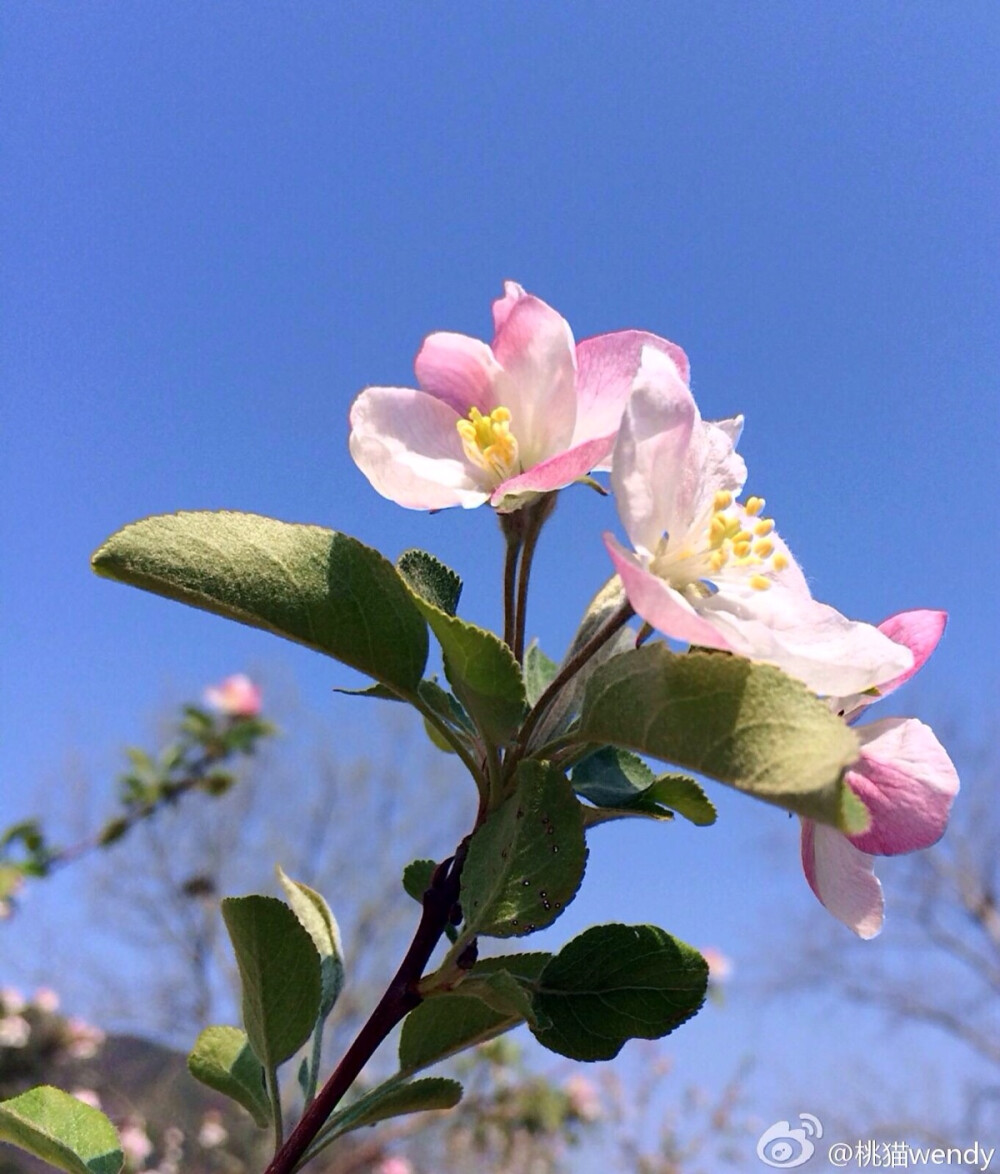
(223, 1059)
(308, 584)
(61, 1130)
(280, 974)
(749, 725)
(614, 983)
(526, 862)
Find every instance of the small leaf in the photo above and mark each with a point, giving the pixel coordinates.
(615, 983)
(317, 919)
(685, 796)
(417, 878)
(59, 1129)
(431, 579)
(223, 1059)
(445, 705)
(377, 691)
(539, 672)
(279, 972)
(482, 671)
(315, 586)
(502, 993)
(525, 863)
(397, 1100)
(749, 725)
(446, 1024)
(621, 784)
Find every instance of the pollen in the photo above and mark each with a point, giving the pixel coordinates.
(759, 582)
(763, 548)
(723, 500)
(739, 542)
(489, 443)
(779, 562)
(763, 527)
(754, 505)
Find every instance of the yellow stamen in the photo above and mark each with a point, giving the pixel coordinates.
(763, 548)
(759, 583)
(488, 442)
(763, 527)
(754, 505)
(779, 562)
(741, 549)
(723, 500)
(717, 529)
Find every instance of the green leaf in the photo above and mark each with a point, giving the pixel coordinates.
(621, 784)
(279, 972)
(482, 671)
(447, 707)
(446, 1024)
(394, 1100)
(59, 1129)
(223, 1059)
(749, 725)
(376, 691)
(686, 797)
(525, 863)
(431, 579)
(317, 919)
(539, 672)
(315, 586)
(615, 983)
(417, 878)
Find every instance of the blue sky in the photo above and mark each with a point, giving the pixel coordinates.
(221, 221)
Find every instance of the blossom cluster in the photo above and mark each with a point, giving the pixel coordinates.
(534, 411)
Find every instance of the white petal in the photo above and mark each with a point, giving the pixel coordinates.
(842, 878)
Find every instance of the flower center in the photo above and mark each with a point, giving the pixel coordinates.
(734, 540)
(488, 443)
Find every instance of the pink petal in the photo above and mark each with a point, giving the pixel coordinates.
(650, 451)
(406, 444)
(658, 603)
(606, 369)
(534, 346)
(459, 370)
(832, 655)
(512, 294)
(907, 781)
(842, 878)
(555, 473)
(919, 630)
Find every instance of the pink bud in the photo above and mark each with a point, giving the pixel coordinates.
(236, 696)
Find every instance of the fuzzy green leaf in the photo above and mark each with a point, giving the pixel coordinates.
(749, 725)
(615, 983)
(394, 1100)
(279, 972)
(59, 1129)
(539, 672)
(526, 862)
(308, 584)
(223, 1059)
(431, 579)
(317, 919)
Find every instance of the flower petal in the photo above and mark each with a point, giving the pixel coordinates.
(919, 630)
(658, 603)
(459, 370)
(833, 655)
(547, 476)
(842, 878)
(907, 781)
(534, 346)
(606, 368)
(512, 294)
(406, 444)
(649, 454)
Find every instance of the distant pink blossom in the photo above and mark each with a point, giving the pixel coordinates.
(46, 999)
(135, 1143)
(707, 570)
(903, 776)
(88, 1096)
(84, 1040)
(503, 422)
(212, 1133)
(584, 1098)
(236, 696)
(12, 1002)
(720, 966)
(395, 1166)
(15, 1031)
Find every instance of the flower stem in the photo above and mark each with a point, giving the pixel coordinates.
(400, 997)
(537, 515)
(511, 525)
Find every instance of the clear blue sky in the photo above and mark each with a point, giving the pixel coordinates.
(220, 221)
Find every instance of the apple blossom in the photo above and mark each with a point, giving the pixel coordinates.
(903, 776)
(710, 571)
(236, 696)
(527, 414)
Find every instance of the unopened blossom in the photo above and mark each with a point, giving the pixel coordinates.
(529, 413)
(709, 570)
(236, 696)
(903, 776)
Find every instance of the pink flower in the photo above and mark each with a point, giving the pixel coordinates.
(707, 570)
(236, 696)
(720, 966)
(528, 414)
(903, 776)
(395, 1166)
